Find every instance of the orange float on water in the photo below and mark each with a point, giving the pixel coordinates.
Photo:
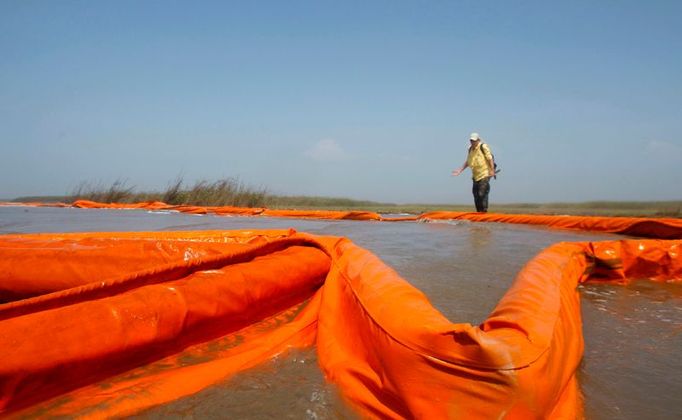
(108, 324)
(661, 228)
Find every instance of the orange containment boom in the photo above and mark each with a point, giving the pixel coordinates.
(661, 228)
(108, 324)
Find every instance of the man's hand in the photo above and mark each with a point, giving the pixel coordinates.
(457, 172)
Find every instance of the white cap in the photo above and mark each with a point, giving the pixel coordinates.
(474, 137)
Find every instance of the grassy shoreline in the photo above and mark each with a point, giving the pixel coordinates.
(232, 192)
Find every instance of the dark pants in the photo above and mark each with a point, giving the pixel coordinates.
(481, 189)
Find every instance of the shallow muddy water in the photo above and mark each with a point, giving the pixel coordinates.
(631, 367)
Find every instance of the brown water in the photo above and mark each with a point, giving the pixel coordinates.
(631, 368)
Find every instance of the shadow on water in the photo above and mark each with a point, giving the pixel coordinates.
(631, 367)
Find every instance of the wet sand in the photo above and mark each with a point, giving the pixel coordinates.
(631, 367)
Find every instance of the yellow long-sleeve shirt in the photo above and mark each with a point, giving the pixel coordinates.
(476, 160)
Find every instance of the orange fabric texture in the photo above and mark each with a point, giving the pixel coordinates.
(662, 228)
(184, 310)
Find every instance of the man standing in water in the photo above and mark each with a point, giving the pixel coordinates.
(482, 165)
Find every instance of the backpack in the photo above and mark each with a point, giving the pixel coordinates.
(494, 160)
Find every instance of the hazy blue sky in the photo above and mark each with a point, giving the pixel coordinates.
(368, 99)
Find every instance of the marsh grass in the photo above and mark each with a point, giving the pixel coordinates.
(117, 192)
(224, 192)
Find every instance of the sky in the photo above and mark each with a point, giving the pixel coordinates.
(373, 100)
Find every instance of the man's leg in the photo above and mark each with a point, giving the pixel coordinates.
(477, 196)
(483, 191)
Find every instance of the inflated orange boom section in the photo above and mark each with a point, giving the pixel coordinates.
(108, 324)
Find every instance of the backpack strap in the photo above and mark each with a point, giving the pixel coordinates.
(495, 170)
(481, 149)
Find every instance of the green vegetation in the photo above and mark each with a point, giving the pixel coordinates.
(232, 192)
(118, 192)
(224, 192)
(322, 203)
(601, 208)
